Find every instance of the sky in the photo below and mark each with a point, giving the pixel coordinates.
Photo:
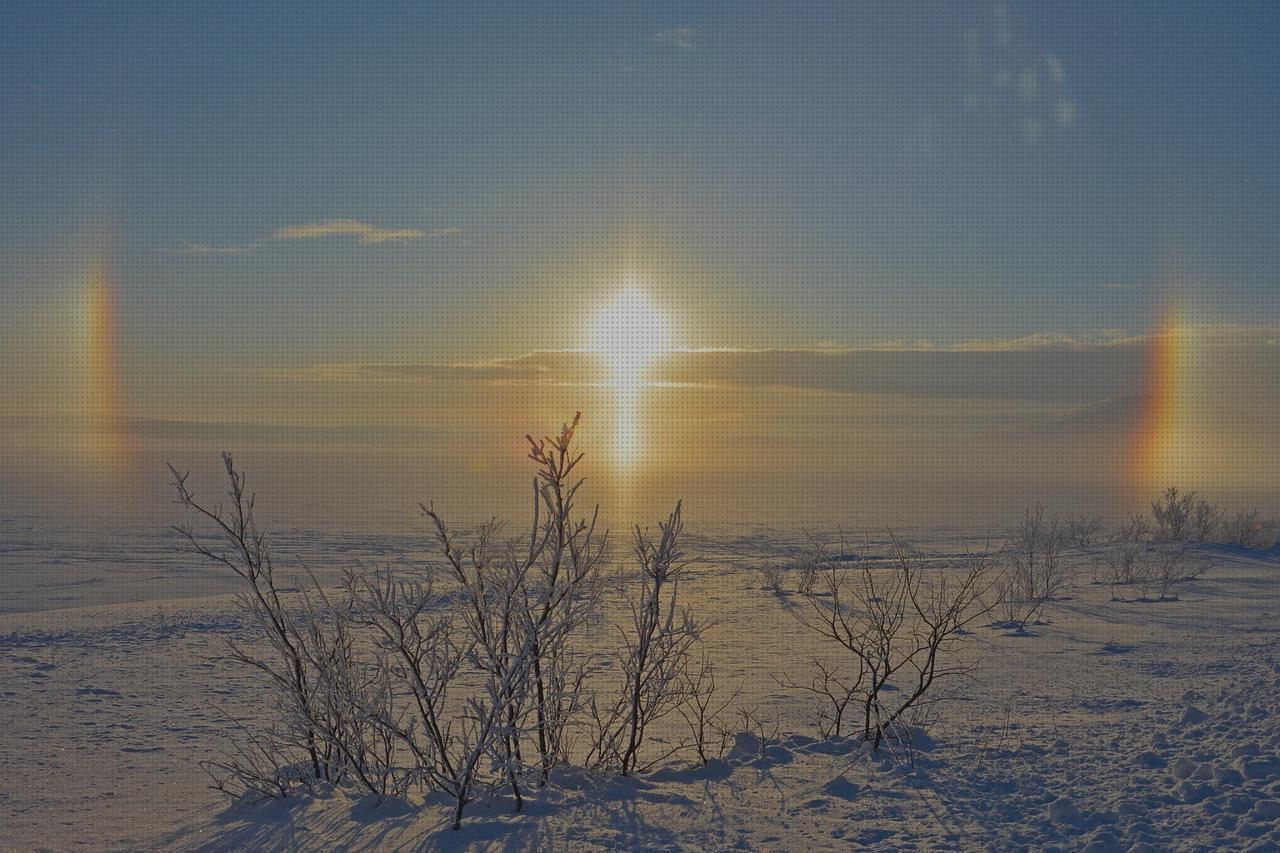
(266, 193)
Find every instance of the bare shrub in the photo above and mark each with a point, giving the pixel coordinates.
(1038, 572)
(1206, 519)
(809, 568)
(1152, 571)
(354, 699)
(1083, 531)
(656, 656)
(559, 593)
(499, 648)
(1248, 529)
(902, 626)
(757, 733)
(415, 645)
(834, 692)
(1182, 517)
(1173, 514)
(1136, 529)
(251, 767)
(1122, 566)
(520, 603)
(771, 578)
(1169, 566)
(704, 712)
(295, 750)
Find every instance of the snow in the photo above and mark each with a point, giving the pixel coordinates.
(1111, 725)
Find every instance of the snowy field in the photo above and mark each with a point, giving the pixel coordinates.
(1110, 725)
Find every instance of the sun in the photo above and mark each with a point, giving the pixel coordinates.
(629, 332)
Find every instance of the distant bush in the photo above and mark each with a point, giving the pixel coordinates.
(1121, 566)
(1248, 529)
(1082, 531)
(1184, 517)
(772, 576)
(1151, 571)
(1169, 566)
(1038, 571)
(1136, 529)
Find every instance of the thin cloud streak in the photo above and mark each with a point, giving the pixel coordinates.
(365, 234)
(206, 249)
(681, 37)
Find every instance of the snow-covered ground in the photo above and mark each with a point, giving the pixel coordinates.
(1113, 725)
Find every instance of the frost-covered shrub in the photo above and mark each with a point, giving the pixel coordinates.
(1152, 572)
(1248, 529)
(1082, 531)
(1167, 567)
(1038, 571)
(1172, 514)
(656, 660)
(300, 649)
(1122, 566)
(1182, 517)
(1136, 529)
(771, 578)
(900, 629)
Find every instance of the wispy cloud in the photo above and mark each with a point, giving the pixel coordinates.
(206, 249)
(1048, 341)
(681, 37)
(365, 234)
(368, 235)
(529, 368)
(1036, 341)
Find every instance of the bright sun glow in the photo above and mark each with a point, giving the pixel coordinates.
(629, 333)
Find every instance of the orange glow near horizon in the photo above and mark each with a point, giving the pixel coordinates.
(104, 377)
(1158, 435)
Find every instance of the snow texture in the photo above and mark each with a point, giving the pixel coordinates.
(1110, 725)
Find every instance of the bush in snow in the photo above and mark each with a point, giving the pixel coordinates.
(1038, 571)
(1168, 566)
(1153, 571)
(1248, 529)
(1136, 529)
(1182, 517)
(656, 660)
(1082, 531)
(705, 710)
(306, 659)
(771, 578)
(1121, 566)
(900, 629)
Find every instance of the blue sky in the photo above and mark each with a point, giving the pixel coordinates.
(780, 174)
